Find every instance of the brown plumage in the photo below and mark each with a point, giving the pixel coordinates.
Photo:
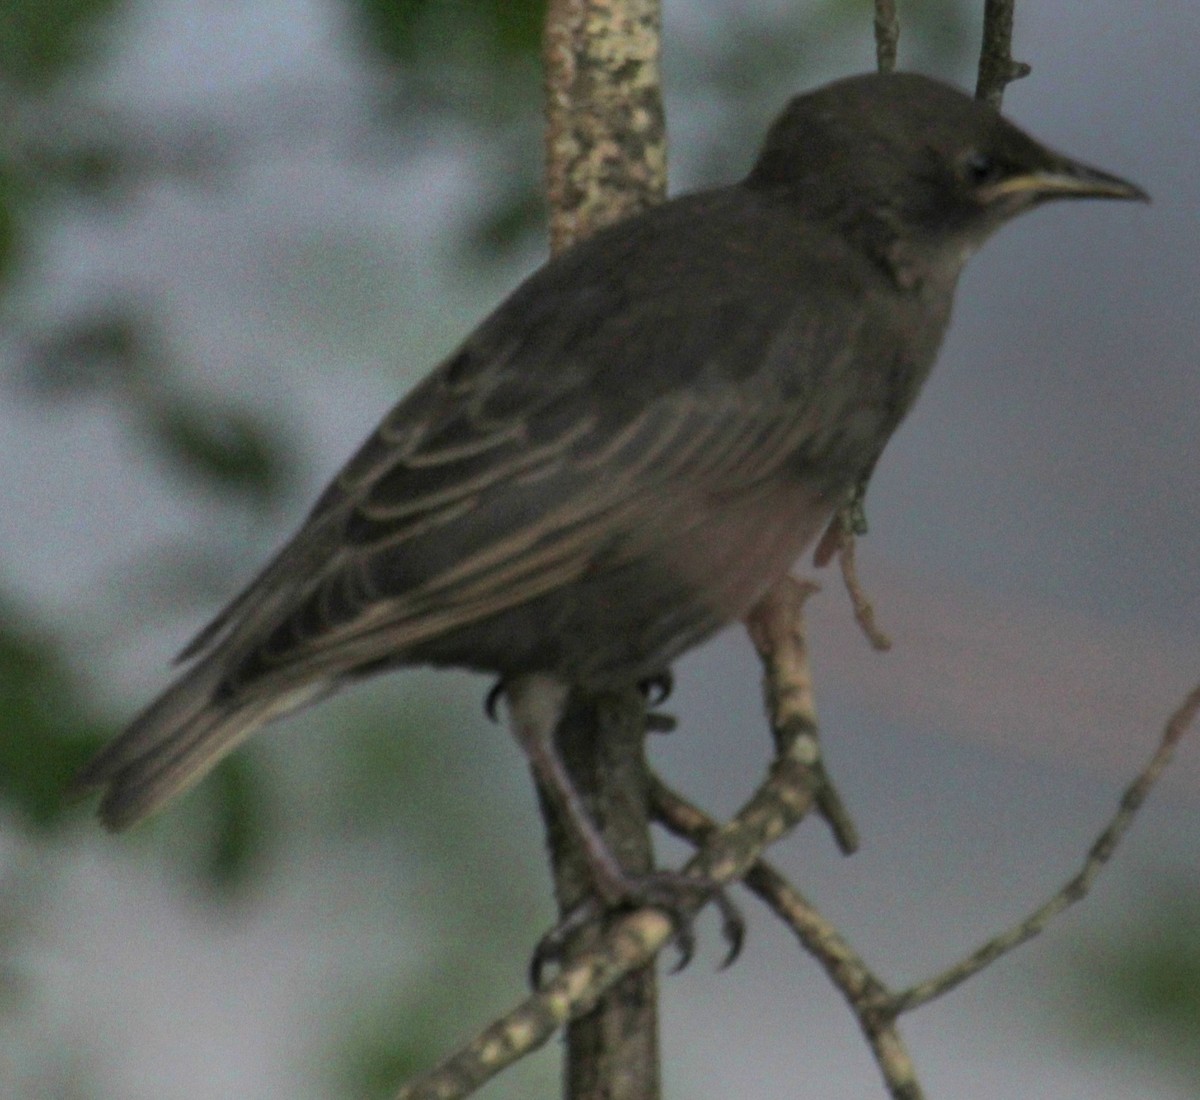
(635, 445)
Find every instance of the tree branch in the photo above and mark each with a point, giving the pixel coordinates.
(606, 153)
(776, 627)
(874, 1005)
(627, 945)
(1077, 888)
(605, 160)
(612, 1049)
(844, 966)
(887, 35)
(997, 69)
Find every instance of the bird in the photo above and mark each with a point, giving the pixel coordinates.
(632, 449)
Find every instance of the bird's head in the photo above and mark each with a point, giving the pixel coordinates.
(902, 161)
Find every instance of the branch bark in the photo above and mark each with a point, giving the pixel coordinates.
(874, 1004)
(887, 35)
(605, 160)
(612, 1051)
(606, 149)
(630, 942)
(997, 69)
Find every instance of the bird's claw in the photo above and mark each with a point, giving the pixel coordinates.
(657, 688)
(491, 701)
(678, 895)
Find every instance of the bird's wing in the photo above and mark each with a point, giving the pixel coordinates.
(548, 448)
(478, 522)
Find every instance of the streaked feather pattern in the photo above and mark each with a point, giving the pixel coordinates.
(600, 477)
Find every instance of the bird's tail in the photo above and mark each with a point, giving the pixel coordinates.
(176, 741)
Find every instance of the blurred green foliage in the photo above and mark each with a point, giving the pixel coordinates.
(226, 449)
(96, 350)
(238, 837)
(42, 43)
(56, 147)
(43, 40)
(8, 221)
(113, 349)
(411, 31)
(47, 729)
(1143, 986)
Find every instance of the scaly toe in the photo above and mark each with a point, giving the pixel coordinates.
(677, 895)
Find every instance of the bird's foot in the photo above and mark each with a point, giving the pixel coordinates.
(680, 896)
(656, 690)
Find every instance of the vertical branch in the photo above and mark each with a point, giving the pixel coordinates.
(612, 1052)
(605, 160)
(997, 69)
(606, 154)
(887, 35)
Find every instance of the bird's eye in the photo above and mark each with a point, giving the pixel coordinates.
(979, 168)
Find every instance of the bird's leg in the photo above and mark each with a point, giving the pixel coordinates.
(656, 690)
(537, 704)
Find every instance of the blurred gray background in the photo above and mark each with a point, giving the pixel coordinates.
(233, 232)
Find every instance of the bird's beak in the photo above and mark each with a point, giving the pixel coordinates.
(1066, 179)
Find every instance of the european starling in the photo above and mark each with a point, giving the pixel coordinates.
(633, 448)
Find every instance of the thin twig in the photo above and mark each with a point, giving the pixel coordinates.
(840, 540)
(875, 1007)
(887, 35)
(1077, 888)
(605, 160)
(864, 610)
(732, 852)
(862, 990)
(776, 628)
(997, 69)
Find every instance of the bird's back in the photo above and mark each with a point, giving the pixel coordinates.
(637, 401)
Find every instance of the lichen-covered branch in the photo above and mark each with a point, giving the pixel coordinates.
(605, 160)
(845, 967)
(876, 1007)
(605, 129)
(631, 942)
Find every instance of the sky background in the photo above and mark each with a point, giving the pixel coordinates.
(1032, 552)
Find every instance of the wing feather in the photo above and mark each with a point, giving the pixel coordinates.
(578, 524)
(572, 433)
